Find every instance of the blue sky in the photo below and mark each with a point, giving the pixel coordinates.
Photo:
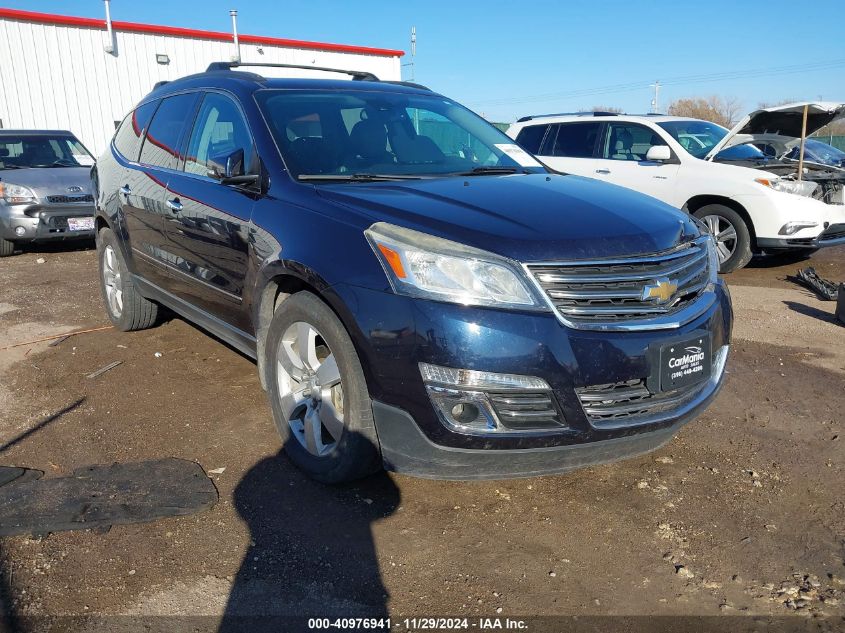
(556, 56)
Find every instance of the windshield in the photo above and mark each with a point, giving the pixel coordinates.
(697, 137)
(350, 134)
(41, 150)
(818, 152)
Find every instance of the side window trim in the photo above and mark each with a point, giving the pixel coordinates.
(549, 139)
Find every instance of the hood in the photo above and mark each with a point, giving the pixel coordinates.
(780, 121)
(50, 181)
(527, 218)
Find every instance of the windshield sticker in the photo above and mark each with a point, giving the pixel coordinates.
(522, 158)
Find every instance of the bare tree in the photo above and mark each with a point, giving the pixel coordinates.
(601, 108)
(722, 110)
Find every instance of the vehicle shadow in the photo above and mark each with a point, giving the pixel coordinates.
(812, 312)
(311, 552)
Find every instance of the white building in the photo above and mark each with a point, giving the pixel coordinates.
(65, 72)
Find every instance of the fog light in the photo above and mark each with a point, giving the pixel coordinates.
(481, 402)
(790, 228)
(20, 231)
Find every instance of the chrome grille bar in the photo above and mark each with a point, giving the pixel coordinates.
(618, 290)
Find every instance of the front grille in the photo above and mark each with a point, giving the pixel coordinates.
(70, 199)
(619, 290)
(629, 401)
(523, 410)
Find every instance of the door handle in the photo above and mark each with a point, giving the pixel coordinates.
(174, 205)
(125, 190)
(602, 171)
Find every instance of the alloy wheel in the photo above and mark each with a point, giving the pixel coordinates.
(725, 234)
(310, 389)
(113, 281)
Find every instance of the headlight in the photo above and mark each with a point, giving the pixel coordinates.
(420, 265)
(797, 187)
(16, 194)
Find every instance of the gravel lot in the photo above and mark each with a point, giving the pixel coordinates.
(743, 513)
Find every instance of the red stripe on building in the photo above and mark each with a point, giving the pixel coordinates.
(175, 31)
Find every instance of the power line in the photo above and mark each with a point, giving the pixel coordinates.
(672, 81)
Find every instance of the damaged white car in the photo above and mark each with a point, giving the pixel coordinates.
(751, 202)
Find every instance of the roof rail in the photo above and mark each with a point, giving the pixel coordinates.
(410, 84)
(589, 113)
(358, 75)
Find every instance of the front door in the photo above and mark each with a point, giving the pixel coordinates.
(208, 222)
(622, 161)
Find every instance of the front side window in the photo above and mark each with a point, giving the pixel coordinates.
(161, 145)
(385, 133)
(573, 140)
(37, 150)
(696, 137)
(629, 141)
(127, 139)
(219, 131)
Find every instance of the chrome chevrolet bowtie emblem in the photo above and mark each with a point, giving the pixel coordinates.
(661, 290)
(74, 189)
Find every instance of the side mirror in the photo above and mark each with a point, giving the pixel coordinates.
(226, 166)
(658, 153)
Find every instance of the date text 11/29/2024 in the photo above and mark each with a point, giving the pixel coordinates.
(417, 624)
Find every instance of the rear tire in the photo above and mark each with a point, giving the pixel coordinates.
(126, 307)
(733, 239)
(318, 393)
(7, 248)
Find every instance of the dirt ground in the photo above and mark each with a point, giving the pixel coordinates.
(743, 513)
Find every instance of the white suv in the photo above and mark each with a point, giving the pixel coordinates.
(750, 202)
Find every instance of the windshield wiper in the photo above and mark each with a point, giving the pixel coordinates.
(14, 167)
(356, 177)
(490, 170)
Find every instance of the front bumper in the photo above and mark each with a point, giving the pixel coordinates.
(833, 235)
(394, 334)
(37, 223)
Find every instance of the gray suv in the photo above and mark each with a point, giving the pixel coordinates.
(45, 188)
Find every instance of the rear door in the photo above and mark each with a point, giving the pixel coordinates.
(571, 147)
(207, 221)
(143, 193)
(622, 161)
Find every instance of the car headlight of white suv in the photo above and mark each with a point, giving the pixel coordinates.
(797, 187)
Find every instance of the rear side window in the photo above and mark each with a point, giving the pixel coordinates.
(531, 137)
(127, 139)
(161, 145)
(574, 140)
(219, 131)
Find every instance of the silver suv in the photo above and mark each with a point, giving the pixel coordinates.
(45, 188)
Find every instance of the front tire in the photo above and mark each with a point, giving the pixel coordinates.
(7, 248)
(318, 393)
(733, 239)
(126, 307)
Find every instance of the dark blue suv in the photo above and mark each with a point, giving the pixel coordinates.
(419, 293)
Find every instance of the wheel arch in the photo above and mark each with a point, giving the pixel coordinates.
(281, 281)
(697, 202)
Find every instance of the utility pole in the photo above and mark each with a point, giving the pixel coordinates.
(655, 102)
(237, 56)
(410, 64)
